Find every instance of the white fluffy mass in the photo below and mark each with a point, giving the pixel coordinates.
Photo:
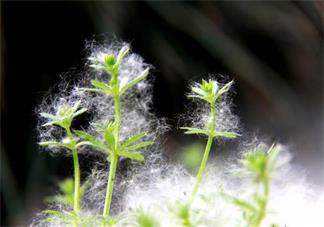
(158, 190)
(292, 201)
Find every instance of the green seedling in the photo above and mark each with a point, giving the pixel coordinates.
(66, 197)
(112, 144)
(209, 92)
(260, 166)
(158, 191)
(63, 118)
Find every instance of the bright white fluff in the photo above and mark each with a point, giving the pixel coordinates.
(159, 190)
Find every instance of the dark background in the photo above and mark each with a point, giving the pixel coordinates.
(273, 50)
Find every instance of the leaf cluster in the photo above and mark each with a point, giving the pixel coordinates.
(66, 196)
(209, 91)
(261, 165)
(64, 115)
(128, 148)
(111, 64)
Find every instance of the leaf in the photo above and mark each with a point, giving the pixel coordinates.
(109, 134)
(133, 139)
(131, 83)
(54, 144)
(55, 213)
(138, 145)
(255, 161)
(239, 202)
(48, 116)
(76, 106)
(51, 123)
(67, 186)
(79, 112)
(195, 131)
(132, 155)
(243, 204)
(199, 91)
(273, 154)
(67, 218)
(229, 135)
(66, 196)
(93, 90)
(106, 88)
(199, 97)
(224, 89)
(122, 53)
(83, 143)
(54, 119)
(91, 139)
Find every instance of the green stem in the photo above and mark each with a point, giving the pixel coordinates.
(264, 203)
(212, 128)
(117, 118)
(76, 166)
(76, 204)
(114, 158)
(110, 186)
(202, 167)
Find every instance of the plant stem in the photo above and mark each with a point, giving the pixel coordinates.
(264, 201)
(114, 157)
(76, 201)
(212, 128)
(76, 181)
(117, 117)
(110, 186)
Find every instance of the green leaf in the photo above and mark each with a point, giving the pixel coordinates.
(52, 123)
(199, 91)
(243, 204)
(190, 130)
(79, 112)
(83, 143)
(133, 139)
(110, 221)
(109, 135)
(91, 139)
(132, 155)
(133, 82)
(67, 218)
(106, 88)
(255, 161)
(55, 213)
(138, 145)
(54, 144)
(273, 154)
(199, 97)
(93, 90)
(66, 196)
(224, 89)
(64, 115)
(75, 106)
(55, 119)
(229, 135)
(122, 53)
(49, 116)
(239, 202)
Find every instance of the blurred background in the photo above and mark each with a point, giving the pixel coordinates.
(273, 50)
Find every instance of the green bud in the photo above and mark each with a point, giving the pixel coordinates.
(109, 60)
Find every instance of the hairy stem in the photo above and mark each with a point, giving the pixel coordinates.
(110, 186)
(212, 128)
(117, 118)
(76, 201)
(264, 202)
(76, 204)
(114, 157)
